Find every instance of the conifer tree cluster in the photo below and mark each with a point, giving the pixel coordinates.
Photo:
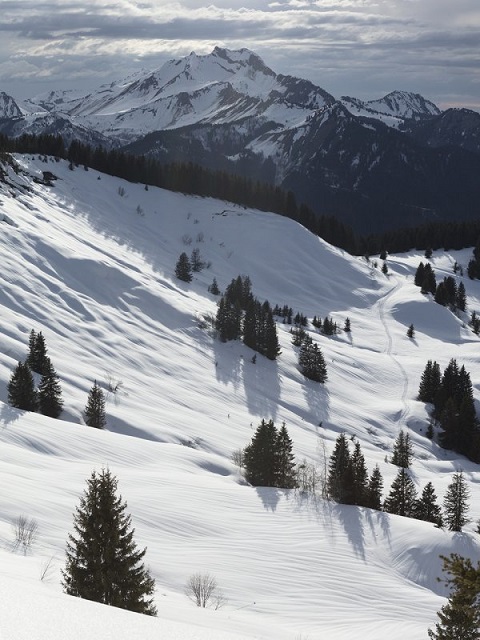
(311, 361)
(452, 397)
(310, 357)
(268, 459)
(47, 398)
(240, 314)
(446, 293)
(328, 327)
(348, 480)
(474, 322)
(403, 500)
(22, 392)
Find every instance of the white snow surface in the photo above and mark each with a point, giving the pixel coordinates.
(94, 271)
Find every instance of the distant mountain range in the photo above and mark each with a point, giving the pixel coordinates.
(376, 165)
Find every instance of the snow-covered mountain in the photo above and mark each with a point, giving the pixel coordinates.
(370, 163)
(90, 263)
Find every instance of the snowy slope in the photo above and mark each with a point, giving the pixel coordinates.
(93, 270)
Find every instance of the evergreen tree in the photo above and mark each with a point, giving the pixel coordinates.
(426, 507)
(459, 619)
(213, 288)
(359, 476)
(338, 468)
(21, 388)
(385, 268)
(455, 503)
(411, 331)
(429, 283)
(374, 489)
(312, 363)
(37, 353)
(286, 467)
(183, 268)
(260, 456)
(103, 563)
(430, 382)
(49, 392)
(402, 450)
(228, 320)
(461, 297)
(419, 274)
(347, 326)
(95, 408)
(402, 496)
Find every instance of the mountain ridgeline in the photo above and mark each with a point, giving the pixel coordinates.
(377, 166)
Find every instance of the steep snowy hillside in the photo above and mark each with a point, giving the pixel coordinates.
(90, 263)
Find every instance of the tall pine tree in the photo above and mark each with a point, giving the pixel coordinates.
(50, 400)
(95, 408)
(21, 388)
(103, 562)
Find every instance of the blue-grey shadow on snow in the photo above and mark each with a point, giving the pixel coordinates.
(261, 382)
(351, 518)
(270, 497)
(9, 414)
(318, 401)
(228, 362)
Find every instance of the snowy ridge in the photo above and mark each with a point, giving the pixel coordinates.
(93, 270)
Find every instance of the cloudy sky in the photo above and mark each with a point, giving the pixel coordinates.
(362, 48)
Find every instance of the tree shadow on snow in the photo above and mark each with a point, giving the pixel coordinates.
(351, 518)
(9, 414)
(269, 496)
(228, 362)
(318, 401)
(261, 382)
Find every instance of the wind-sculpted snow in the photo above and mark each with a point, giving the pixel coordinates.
(90, 263)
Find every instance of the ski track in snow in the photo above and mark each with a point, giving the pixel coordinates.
(403, 414)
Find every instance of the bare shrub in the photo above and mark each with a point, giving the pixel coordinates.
(113, 384)
(238, 458)
(139, 210)
(121, 191)
(202, 589)
(200, 236)
(25, 531)
(186, 239)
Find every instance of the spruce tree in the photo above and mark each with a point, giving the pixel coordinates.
(374, 489)
(37, 353)
(426, 507)
(455, 503)
(21, 388)
(402, 450)
(183, 268)
(347, 326)
(260, 456)
(103, 563)
(339, 488)
(49, 392)
(213, 288)
(411, 331)
(286, 468)
(459, 619)
(419, 274)
(402, 496)
(430, 382)
(359, 476)
(95, 408)
(461, 297)
(312, 363)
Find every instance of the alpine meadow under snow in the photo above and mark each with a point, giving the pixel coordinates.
(90, 262)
